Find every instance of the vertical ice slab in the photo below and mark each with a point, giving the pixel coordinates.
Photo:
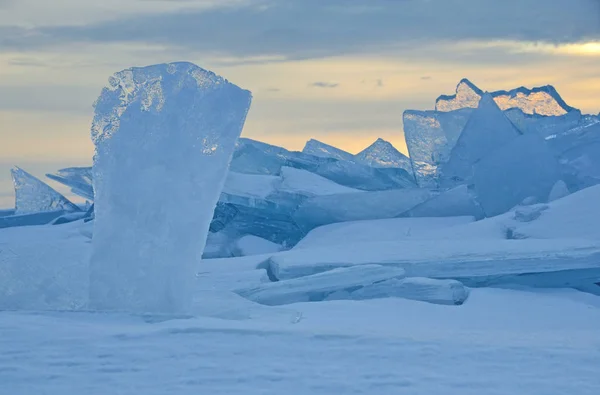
(486, 130)
(164, 137)
(430, 137)
(523, 168)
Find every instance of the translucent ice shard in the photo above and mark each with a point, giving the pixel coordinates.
(256, 157)
(33, 195)
(523, 168)
(356, 175)
(544, 125)
(317, 148)
(543, 100)
(579, 153)
(487, 130)
(467, 96)
(164, 137)
(383, 154)
(79, 179)
(430, 137)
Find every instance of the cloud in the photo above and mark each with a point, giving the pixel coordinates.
(321, 84)
(426, 77)
(300, 29)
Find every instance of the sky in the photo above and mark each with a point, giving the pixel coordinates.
(340, 71)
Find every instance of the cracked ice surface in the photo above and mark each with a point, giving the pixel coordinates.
(164, 137)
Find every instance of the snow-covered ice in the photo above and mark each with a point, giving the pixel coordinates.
(448, 292)
(388, 229)
(164, 137)
(253, 245)
(319, 286)
(499, 342)
(559, 190)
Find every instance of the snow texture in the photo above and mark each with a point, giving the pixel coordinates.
(378, 230)
(34, 196)
(499, 342)
(164, 137)
(543, 100)
(44, 268)
(253, 245)
(430, 137)
(558, 191)
(487, 129)
(523, 168)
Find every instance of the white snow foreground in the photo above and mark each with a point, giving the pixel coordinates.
(468, 341)
(164, 137)
(499, 342)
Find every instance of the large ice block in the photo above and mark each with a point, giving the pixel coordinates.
(317, 287)
(455, 202)
(430, 137)
(255, 157)
(33, 195)
(544, 125)
(446, 292)
(323, 210)
(363, 177)
(317, 148)
(543, 100)
(523, 168)
(579, 153)
(486, 130)
(164, 137)
(555, 263)
(383, 154)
